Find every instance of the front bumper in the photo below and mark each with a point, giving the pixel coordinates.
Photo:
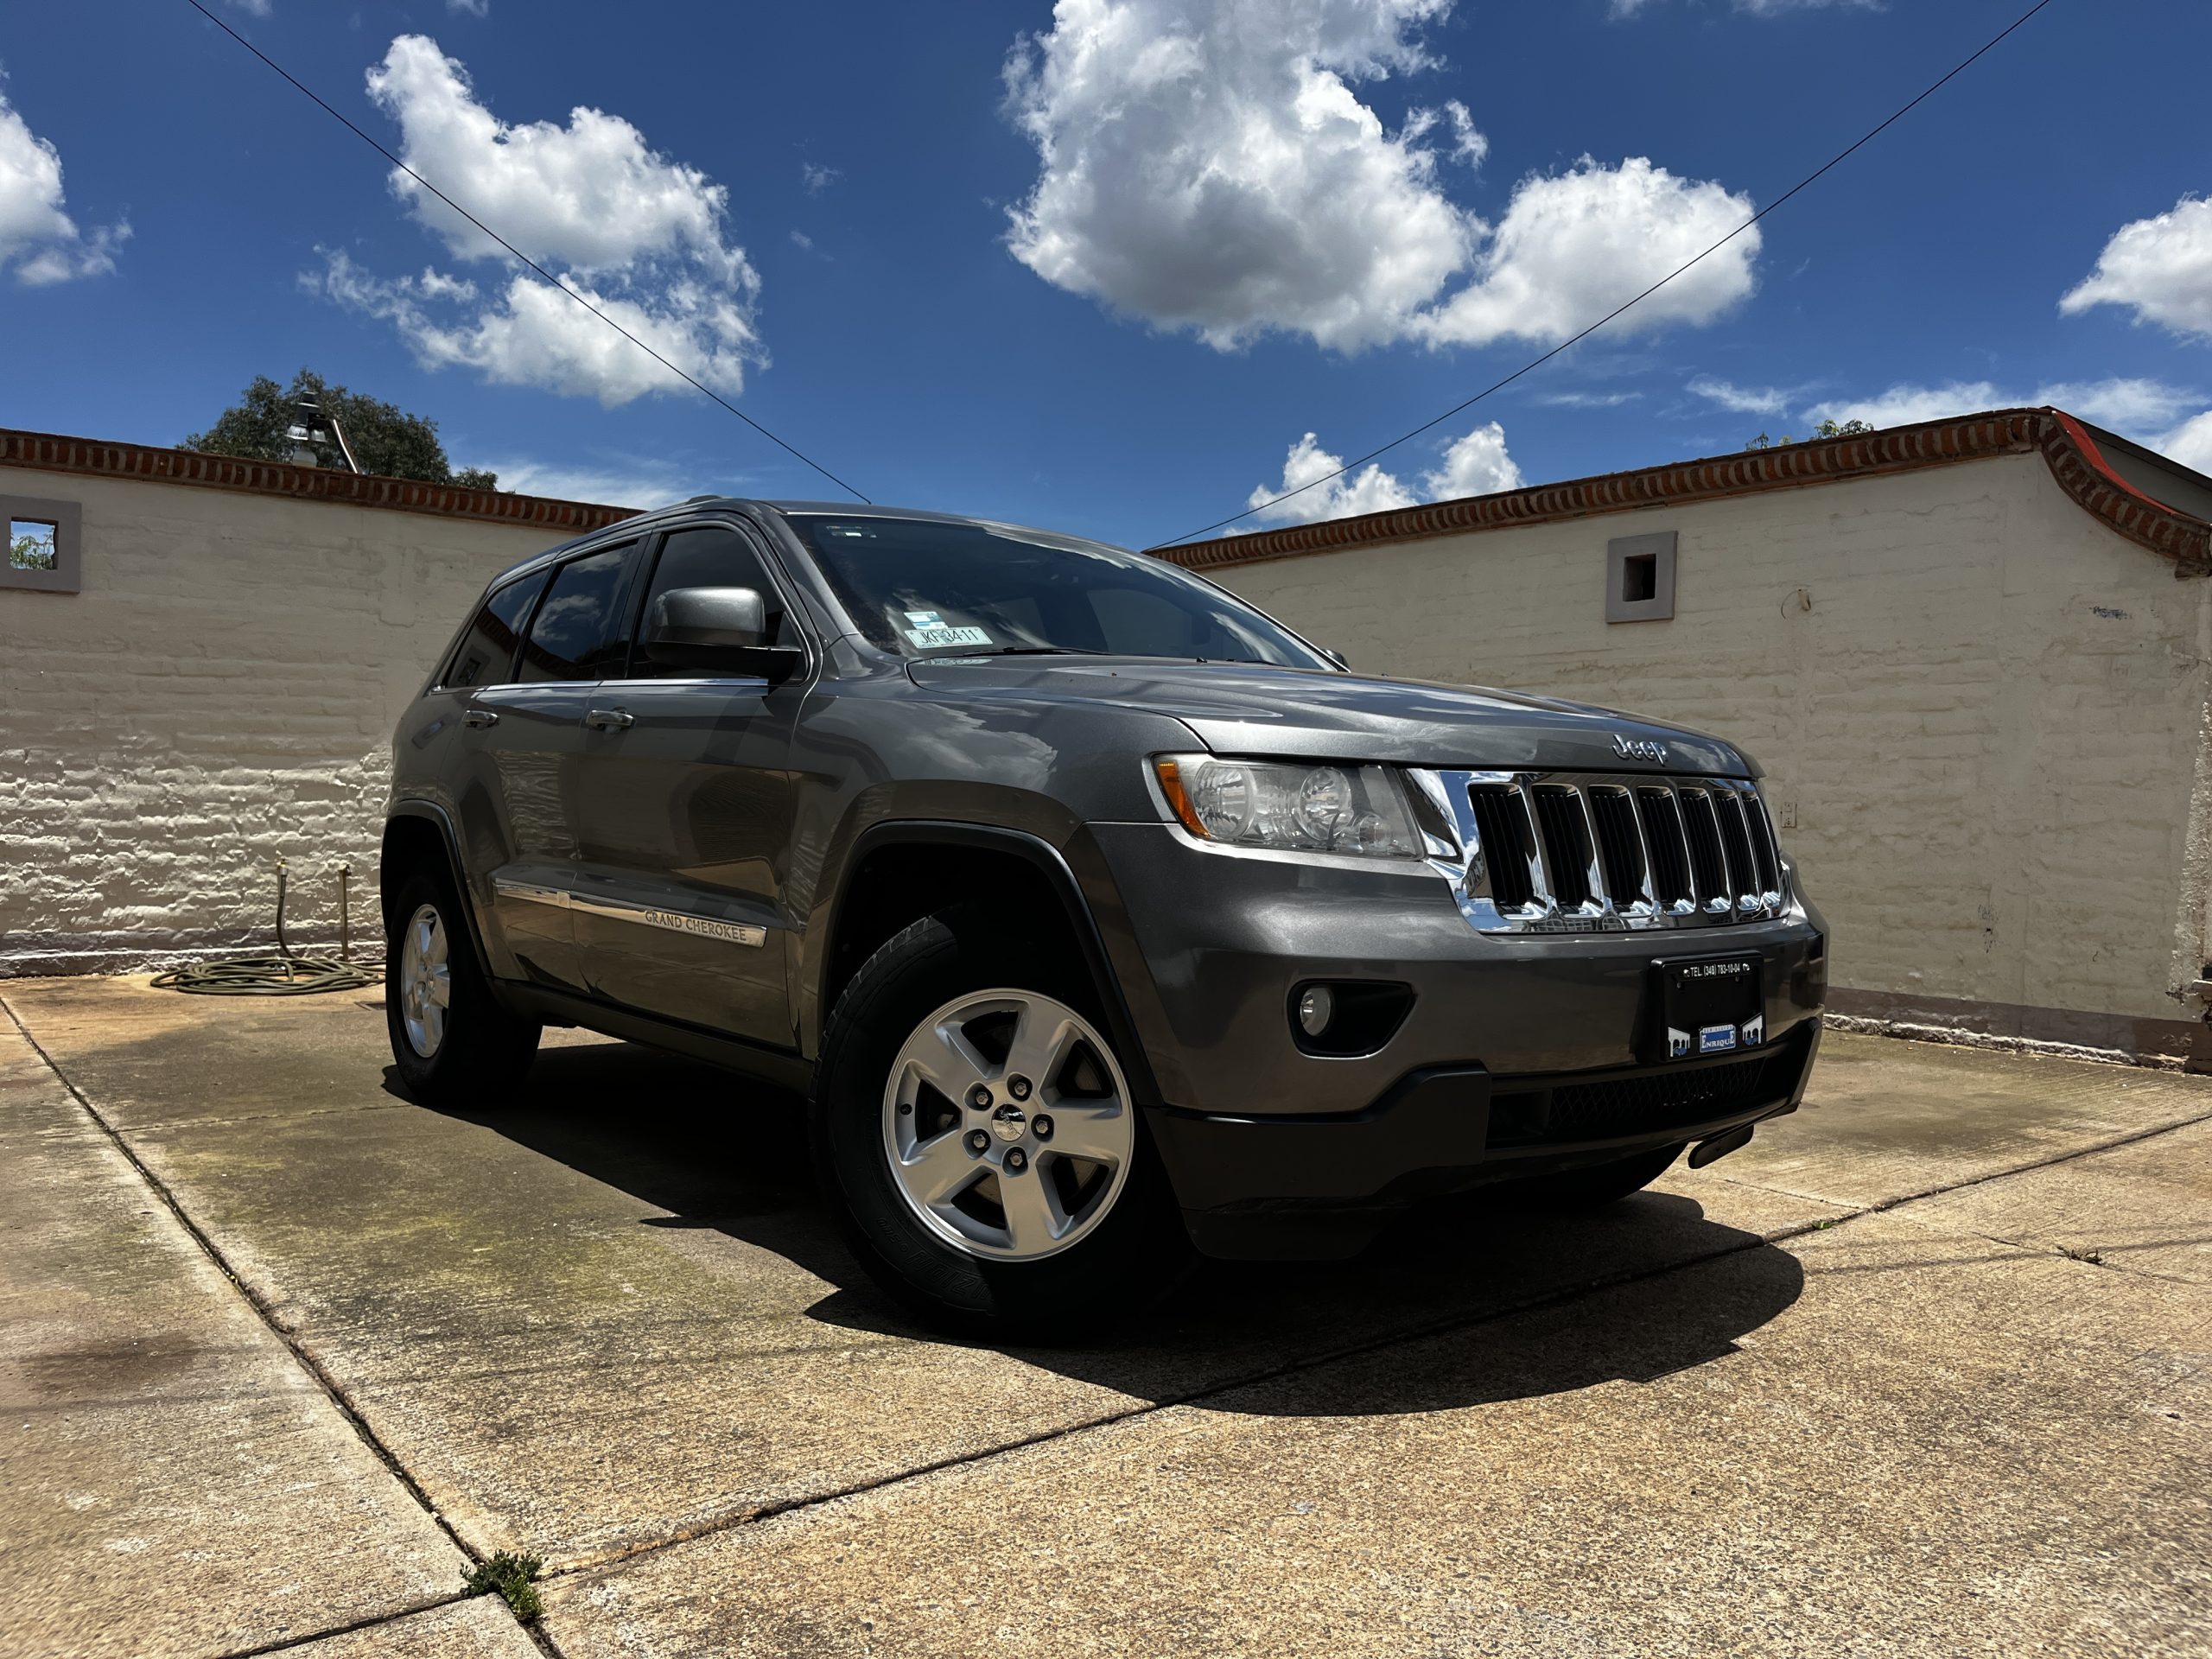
(1519, 1054)
(1313, 1186)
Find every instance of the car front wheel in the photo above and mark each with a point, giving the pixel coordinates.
(976, 1133)
(453, 1043)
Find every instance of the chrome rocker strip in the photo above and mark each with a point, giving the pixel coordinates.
(622, 910)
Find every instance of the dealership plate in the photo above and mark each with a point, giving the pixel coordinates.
(1708, 1006)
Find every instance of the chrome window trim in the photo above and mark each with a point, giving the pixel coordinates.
(750, 934)
(811, 655)
(1457, 858)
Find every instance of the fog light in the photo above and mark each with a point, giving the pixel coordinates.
(1315, 1009)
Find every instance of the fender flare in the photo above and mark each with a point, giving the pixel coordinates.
(437, 815)
(1047, 861)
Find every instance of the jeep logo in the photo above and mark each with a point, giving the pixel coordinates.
(1639, 748)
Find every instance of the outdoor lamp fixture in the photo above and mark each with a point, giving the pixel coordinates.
(314, 430)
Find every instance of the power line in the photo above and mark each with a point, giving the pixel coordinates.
(1537, 363)
(546, 276)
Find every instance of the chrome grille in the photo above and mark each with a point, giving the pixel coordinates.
(1561, 853)
(1507, 847)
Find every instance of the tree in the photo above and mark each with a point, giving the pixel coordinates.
(385, 439)
(31, 551)
(1825, 430)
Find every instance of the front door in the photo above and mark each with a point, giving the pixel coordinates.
(678, 904)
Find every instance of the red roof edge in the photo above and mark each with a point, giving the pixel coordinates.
(48, 452)
(2066, 448)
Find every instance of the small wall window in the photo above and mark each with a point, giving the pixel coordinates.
(44, 547)
(1640, 577)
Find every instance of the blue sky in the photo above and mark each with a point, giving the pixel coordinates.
(1115, 298)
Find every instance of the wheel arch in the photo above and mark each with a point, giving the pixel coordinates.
(901, 870)
(416, 833)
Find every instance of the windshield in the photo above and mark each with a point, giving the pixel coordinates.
(923, 588)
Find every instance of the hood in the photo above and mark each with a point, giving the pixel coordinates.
(1252, 709)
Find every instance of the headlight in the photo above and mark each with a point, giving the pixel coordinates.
(1295, 808)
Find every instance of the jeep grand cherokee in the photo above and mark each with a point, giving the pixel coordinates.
(1098, 917)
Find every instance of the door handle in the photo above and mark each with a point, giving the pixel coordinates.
(481, 718)
(609, 720)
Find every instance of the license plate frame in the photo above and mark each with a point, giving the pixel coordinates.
(1707, 1005)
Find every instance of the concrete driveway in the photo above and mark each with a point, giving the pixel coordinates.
(1926, 1369)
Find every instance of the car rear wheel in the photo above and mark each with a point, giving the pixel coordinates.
(453, 1043)
(975, 1132)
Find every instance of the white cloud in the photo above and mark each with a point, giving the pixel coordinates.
(36, 237)
(1588, 399)
(1469, 147)
(590, 196)
(2125, 404)
(2160, 268)
(1744, 400)
(1902, 404)
(251, 8)
(2190, 443)
(1207, 165)
(1369, 490)
(800, 238)
(473, 8)
(1574, 245)
(2128, 404)
(531, 336)
(629, 481)
(816, 179)
(1474, 464)
(638, 235)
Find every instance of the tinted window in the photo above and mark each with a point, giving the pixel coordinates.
(580, 633)
(712, 556)
(923, 589)
(485, 655)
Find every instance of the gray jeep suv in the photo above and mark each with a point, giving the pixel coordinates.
(1098, 916)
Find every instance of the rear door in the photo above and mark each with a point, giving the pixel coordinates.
(526, 741)
(679, 909)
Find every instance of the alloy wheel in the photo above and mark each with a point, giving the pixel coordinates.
(1009, 1125)
(425, 980)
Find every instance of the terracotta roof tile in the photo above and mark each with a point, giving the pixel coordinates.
(51, 452)
(2070, 453)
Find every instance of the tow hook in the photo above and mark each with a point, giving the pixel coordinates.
(1719, 1147)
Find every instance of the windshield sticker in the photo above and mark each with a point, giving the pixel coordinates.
(937, 639)
(926, 619)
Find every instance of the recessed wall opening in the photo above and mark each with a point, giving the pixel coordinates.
(1640, 577)
(45, 550)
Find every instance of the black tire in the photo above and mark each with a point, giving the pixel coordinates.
(1137, 1252)
(1593, 1187)
(484, 1051)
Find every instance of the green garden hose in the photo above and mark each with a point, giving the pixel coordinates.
(282, 975)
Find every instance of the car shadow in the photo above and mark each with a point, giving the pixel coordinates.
(720, 1152)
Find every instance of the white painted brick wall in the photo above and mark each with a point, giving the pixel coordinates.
(222, 692)
(1998, 787)
(1994, 778)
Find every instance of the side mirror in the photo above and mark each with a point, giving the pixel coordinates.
(1338, 657)
(716, 630)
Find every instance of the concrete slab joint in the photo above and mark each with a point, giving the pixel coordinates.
(1941, 1329)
